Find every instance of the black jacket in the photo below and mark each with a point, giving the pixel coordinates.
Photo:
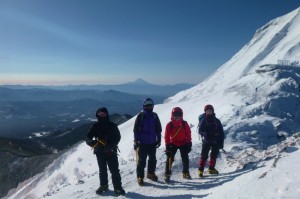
(108, 132)
(211, 131)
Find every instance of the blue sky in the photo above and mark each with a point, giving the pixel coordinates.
(117, 41)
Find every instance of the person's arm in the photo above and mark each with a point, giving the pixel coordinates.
(167, 134)
(137, 126)
(117, 135)
(188, 132)
(202, 130)
(90, 135)
(222, 135)
(158, 129)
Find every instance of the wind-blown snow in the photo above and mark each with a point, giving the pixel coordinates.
(256, 99)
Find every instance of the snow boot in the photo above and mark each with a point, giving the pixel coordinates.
(119, 191)
(167, 178)
(102, 189)
(213, 171)
(152, 177)
(200, 174)
(140, 181)
(186, 175)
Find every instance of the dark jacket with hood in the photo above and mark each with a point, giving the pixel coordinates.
(211, 130)
(105, 131)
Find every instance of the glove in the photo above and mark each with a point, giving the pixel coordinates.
(158, 143)
(135, 145)
(169, 150)
(189, 147)
(169, 147)
(204, 134)
(221, 145)
(91, 143)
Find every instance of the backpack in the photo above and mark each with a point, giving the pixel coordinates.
(201, 116)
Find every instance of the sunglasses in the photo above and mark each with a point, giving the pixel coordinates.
(102, 114)
(148, 106)
(177, 114)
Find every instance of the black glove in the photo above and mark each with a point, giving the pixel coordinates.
(189, 147)
(158, 143)
(204, 134)
(91, 143)
(169, 150)
(169, 147)
(135, 145)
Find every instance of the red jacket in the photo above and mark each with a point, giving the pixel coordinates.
(181, 138)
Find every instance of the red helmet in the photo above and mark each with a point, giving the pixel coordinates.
(208, 106)
(177, 112)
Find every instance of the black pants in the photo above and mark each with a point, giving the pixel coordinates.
(145, 150)
(110, 160)
(206, 147)
(184, 157)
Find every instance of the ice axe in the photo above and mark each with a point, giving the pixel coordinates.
(137, 156)
(102, 142)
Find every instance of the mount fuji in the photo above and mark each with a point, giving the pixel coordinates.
(255, 95)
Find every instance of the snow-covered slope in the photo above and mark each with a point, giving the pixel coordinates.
(257, 101)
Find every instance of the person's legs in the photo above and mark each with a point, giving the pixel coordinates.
(170, 158)
(152, 158)
(102, 169)
(113, 166)
(204, 156)
(213, 158)
(142, 153)
(185, 159)
(102, 174)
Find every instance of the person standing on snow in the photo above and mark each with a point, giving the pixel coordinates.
(107, 136)
(147, 138)
(212, 134)
(177, 136)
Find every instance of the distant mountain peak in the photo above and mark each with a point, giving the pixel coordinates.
(138, 81)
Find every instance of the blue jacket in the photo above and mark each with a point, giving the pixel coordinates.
(147, 128)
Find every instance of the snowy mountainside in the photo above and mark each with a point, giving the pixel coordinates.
(256, 99)
(266, 47)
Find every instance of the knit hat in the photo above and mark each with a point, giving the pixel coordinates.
(208, 106)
